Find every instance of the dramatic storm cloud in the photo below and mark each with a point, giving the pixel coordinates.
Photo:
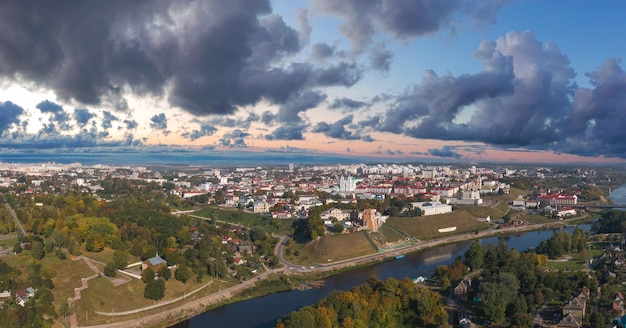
(403, 19)
(209, 57)
(9, 115)
(521, 99)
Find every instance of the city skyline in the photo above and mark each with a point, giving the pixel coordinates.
(489, 81)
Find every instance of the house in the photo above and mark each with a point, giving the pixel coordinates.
(566, 211)
(22, 296)
(245, 249)
(559, 199)
(570, 321)
(238, 261)
(463, 288)
(261, 207)
(340, 215)
(576, 307)
(155, 263)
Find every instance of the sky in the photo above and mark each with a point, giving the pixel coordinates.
(469, 81)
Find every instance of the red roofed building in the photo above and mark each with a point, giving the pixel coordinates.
(559, 199)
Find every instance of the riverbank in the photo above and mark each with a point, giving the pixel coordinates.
(185, 311)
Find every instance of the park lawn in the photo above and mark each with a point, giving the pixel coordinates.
(105, 297)
(535, 218)
(483, 211)
(574, 264)
(426, 227)
(102, 256)
(506, 198)
(335, 248)
(8, 243)
(281, 226)
(385, 234)
(69, 274)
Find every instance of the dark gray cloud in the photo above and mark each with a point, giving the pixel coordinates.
(205, 130)
(235, 139)
(235, 134)
(59, 116)
(107, 119)
(130, 124)
(402, 19)
(209, 57)
(337, 130)
(268, 118)
(159, 122)
(521, 99)
(287, 132)
(9, 115)
(322, 51)
(598, 114)
(347, 104)
(82, 116)
(381, 59)
(445, 151)
(238, 122)
(290, 110)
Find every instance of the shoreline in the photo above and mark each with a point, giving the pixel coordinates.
(198, 306)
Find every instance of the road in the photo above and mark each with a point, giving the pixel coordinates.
(17, 221)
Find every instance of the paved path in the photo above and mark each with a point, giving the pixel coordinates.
(84, 285)
(188, 309)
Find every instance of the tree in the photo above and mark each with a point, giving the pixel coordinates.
(154, 290)
(95, 242)
(474, 257)
(110, 269)
(120, 258)
(17, 248)
(182, 273)
(165, 273)
(338, 227)
(37, 251)
(147, 275)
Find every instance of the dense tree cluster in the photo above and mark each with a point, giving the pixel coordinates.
(563, 242)
(377, 303)
(513, 285)
(39, 310)
(132, 218)
(610, 222)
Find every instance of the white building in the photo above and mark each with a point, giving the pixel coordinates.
(347, 185)
(432, 208)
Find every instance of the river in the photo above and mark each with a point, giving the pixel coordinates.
(264, 311)
(618, 196)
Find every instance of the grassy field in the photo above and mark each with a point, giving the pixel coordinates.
(495, 212)
(103, 296)
(282, 226)
(512, 195)
(334, 247)
(386, 236)
(9, 242)
(425, 227)
(574, 264)
(536, 218)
